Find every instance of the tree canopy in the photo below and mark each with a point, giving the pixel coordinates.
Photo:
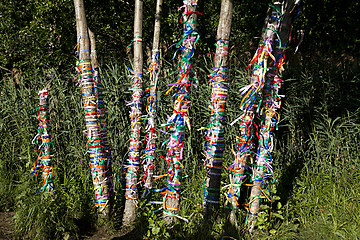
(39, 34)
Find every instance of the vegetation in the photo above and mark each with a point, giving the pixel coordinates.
(316, 157)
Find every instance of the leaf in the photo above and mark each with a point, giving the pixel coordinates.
(272, 231)
(278, 216)
(264, 207)
(155, 230)
(275, 198)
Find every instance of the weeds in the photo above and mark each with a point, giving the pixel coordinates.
(316, 159)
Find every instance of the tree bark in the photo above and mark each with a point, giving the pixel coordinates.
(93, 55)
(97, 160)
(154, 70)
(215, 133)
(133, 163)
(271, 102)
(176, 123)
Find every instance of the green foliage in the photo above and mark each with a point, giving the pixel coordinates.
(35, 34)
(316, 158)
(316, 154)
(330, 25)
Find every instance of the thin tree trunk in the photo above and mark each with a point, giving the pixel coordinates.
(215, 133)
(97, 162)
(176, 123)
(93, 55)
(133, 163)
(154, 70)
(270, 103)
(101, 114)
(249, 106)
(46, 149)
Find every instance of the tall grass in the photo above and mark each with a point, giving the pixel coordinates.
(316, 156)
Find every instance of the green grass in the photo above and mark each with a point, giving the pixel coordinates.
(316, 158)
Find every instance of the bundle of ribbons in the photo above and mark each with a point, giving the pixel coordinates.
(150, 137)
(133, 162)
(179, 119)
(43, 138)
(260, 102)
(103, 127)
(96, 150)
(215, 129)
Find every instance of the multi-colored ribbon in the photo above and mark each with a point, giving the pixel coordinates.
(46, 146)
(215, 129)
(179, 118)
(250, 105)
(269, 79)
(150, 137)
(96, 150)
(103, 127)
(133, 163)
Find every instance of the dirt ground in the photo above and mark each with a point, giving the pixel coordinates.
(6, 225)
(7, 231)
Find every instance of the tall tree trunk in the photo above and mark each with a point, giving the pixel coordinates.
(101, 114)
(281, 21)
(154, 70)
(176, 123)
(46, 147)
(245, 143)
(133, 163)
(97, 159)
(215, 133)
(260, 70)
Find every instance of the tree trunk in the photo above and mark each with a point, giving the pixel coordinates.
(215, 133)
(249, 106)
(154, 70)
(46, 150)
(176, 123)
(133, 163)
(97, 162)
(93, 55)
(271, 102)
(101, 114)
